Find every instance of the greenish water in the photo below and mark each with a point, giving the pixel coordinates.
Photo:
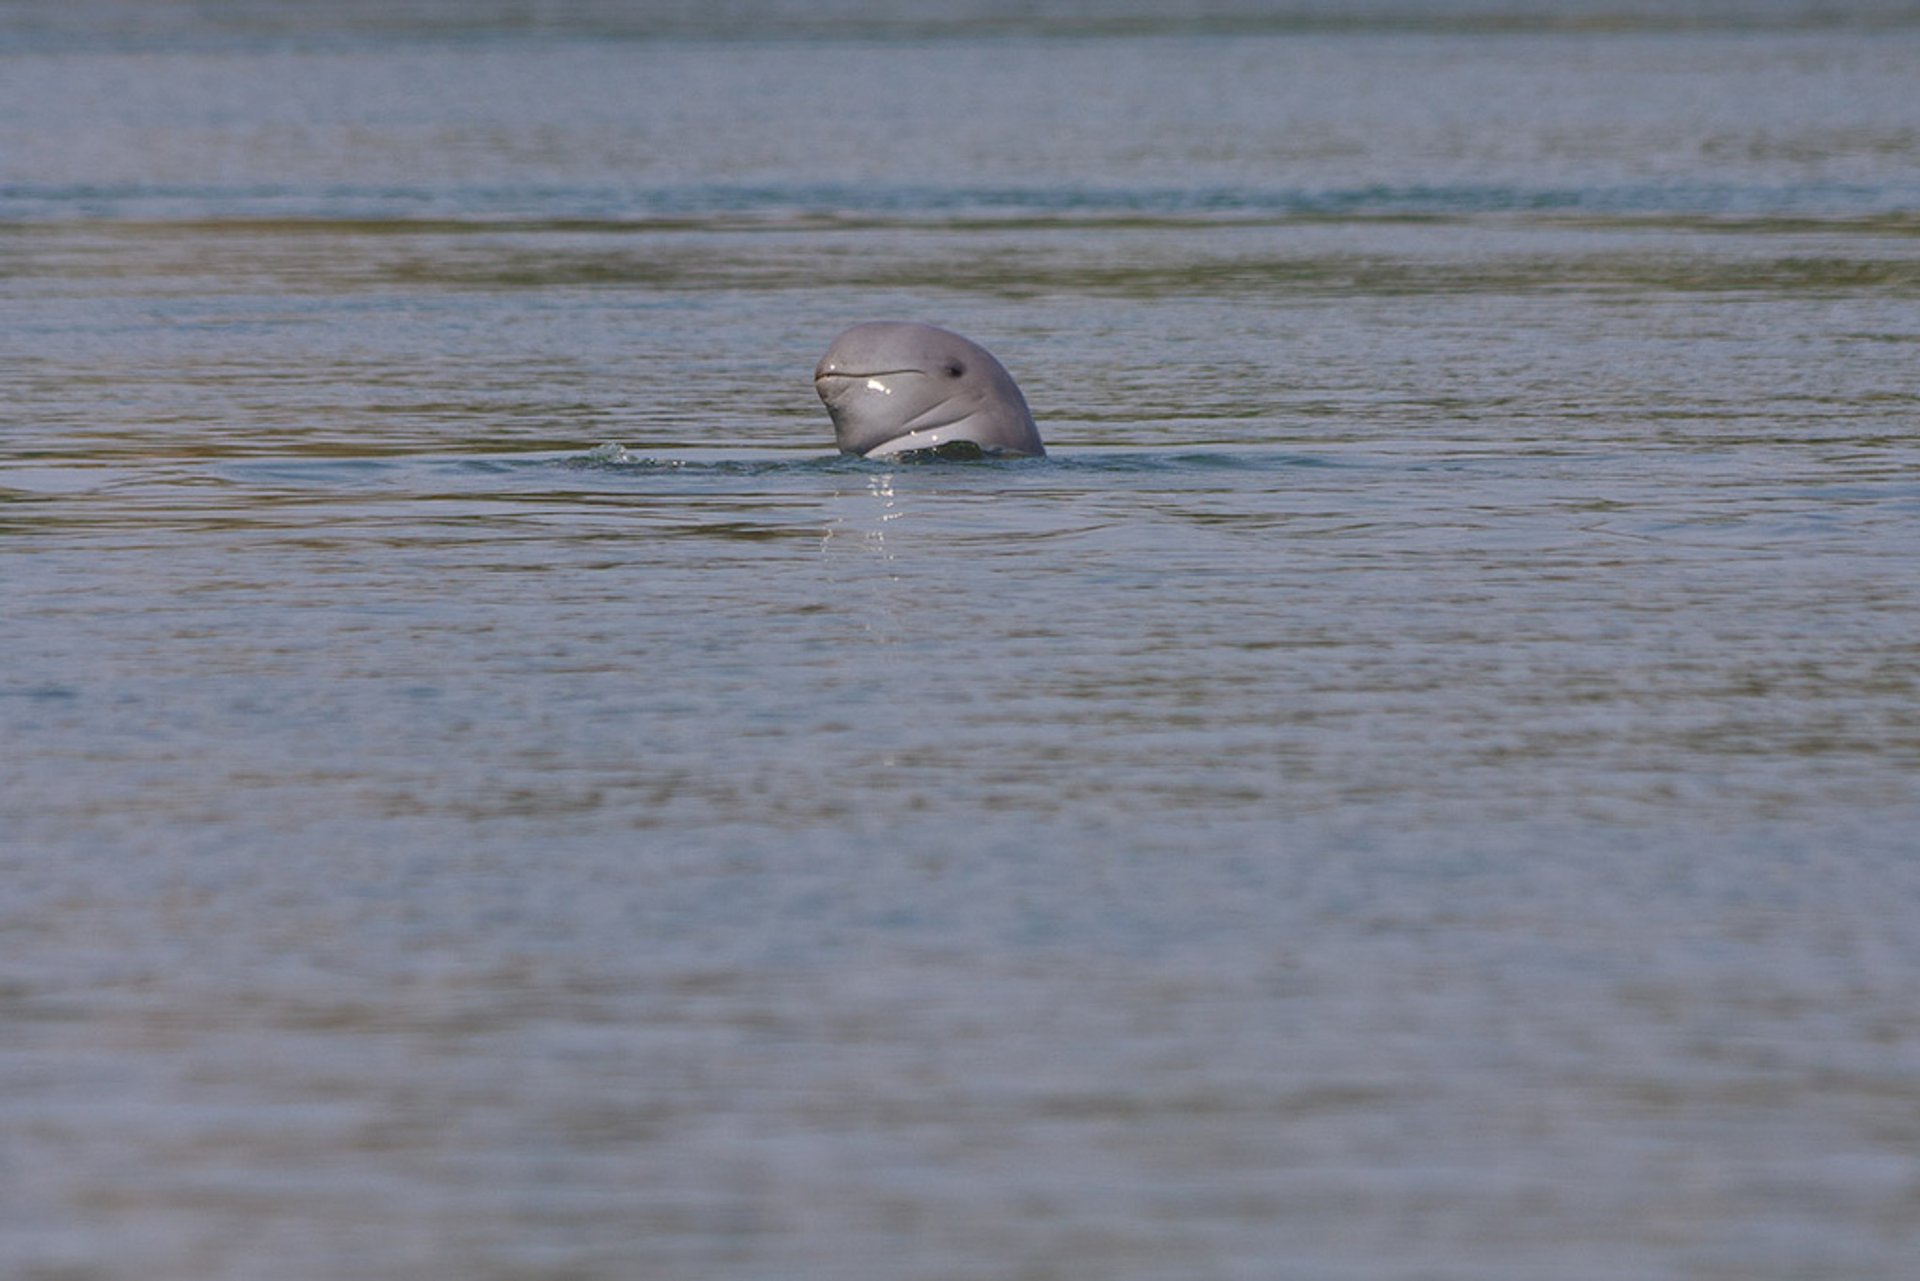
(1419, 783)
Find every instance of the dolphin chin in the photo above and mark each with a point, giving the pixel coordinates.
(895, 387)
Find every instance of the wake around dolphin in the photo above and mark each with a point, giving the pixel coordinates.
(892, 386)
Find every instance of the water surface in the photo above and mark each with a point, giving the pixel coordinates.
(1419, 783)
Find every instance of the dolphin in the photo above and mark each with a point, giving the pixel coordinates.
(892, 386)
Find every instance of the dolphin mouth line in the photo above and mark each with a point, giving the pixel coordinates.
(877, 373)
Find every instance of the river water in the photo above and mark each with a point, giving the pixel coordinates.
(1421, 782)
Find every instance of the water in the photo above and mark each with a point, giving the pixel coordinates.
(1420, 783)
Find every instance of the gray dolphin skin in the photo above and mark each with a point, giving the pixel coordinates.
(893, 386)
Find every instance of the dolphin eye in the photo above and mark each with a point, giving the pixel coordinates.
(955, 369)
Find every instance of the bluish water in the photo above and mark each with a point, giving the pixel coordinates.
(1419, 783)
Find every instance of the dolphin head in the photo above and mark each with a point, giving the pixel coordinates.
(892, 386)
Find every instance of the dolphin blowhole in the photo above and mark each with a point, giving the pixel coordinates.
(898, 386)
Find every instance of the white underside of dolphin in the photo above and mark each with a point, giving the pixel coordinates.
(892, 386)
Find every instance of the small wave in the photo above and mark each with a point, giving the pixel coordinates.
(1239, 459)
(615, 465)
(400, 210)
(613, 457)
